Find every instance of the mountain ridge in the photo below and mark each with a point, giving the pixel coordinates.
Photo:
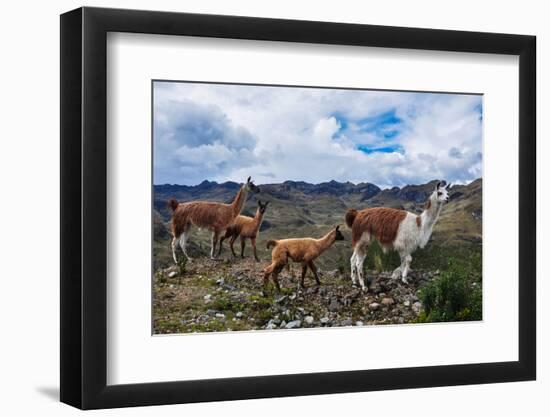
(299, 209)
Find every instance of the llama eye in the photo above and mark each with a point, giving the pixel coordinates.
(439, 193)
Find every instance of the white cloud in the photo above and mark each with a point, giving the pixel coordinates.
(228, 132)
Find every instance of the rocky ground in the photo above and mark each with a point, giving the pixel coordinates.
(226, 295)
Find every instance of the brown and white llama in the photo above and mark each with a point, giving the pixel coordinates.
(215, 217)
(303, 250)
(394, 229)
(245, 227)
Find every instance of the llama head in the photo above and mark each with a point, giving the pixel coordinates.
(339, 235)
(262, 207)
(441, 193)
(250, 186)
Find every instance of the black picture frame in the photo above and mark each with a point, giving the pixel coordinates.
(84, 207)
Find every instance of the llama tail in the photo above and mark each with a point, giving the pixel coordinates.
(173, 204)
(350, 217)
(271, 243)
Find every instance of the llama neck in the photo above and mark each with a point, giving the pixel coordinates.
(258, 219)
(429, 217)
(239, 201)
(326, 241)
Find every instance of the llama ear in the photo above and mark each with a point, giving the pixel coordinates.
(260, 203)
(248, 180)
(337, 227)
(438, 185)
(448, 186)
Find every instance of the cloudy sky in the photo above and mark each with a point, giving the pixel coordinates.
(225, 132)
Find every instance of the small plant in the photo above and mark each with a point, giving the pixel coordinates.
(342, 265)
(380, 261)
(226, 304)
(182, 265)
(378, 265)
(160, 277)
(453, 296)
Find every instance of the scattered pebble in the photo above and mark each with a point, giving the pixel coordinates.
(295, 324)
(347, 322)
(387, 301)
(374, 306)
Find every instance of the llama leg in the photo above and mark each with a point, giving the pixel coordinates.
(314, 270)
(408, 260)
(183, 245)
(253, 240)
(267, 273)
(233, 238)
(214, 242)
(397, 271)
(359, 260)
(242, 246)
(353, 265)
(275, 276)
(304, 270)
(174, 247)
(221, 243)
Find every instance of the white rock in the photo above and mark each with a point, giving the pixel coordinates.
(374, 306)
(293, 324)
(172, 274)
(309, 320)
(406, 303)
(239, 314)
(271, 325)
(207, 297)
(387, 301)
(220, 315)
(358, 323)
(324, 320)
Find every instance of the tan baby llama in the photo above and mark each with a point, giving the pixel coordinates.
(245, 227)
(303, 250)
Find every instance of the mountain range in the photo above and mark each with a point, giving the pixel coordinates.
(299, 208)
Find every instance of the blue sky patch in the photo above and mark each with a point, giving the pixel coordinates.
(385, 149)
(381, 123)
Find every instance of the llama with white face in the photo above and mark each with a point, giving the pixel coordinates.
(394, 229)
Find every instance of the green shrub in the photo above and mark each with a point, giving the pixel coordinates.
(160, 277)
(226, 304)
(378, 264)
(453, 296)
(182, 265)
(343, 265)
(380, 261)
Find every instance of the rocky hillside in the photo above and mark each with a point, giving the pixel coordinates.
(227, 295)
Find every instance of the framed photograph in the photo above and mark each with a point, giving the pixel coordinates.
(258, 208)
